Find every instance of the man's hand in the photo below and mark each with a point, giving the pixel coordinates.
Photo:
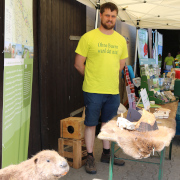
(79, 63)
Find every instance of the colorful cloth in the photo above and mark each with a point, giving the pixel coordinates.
(103, 54)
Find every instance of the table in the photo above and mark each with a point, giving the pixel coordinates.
(109, 130)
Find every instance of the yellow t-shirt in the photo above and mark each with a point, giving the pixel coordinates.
(103, 54)
(169, 60)
(178, 57)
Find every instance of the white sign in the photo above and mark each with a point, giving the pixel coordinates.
(145, 99)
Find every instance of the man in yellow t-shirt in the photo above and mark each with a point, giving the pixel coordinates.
(100, 56)
(178, 56)
(169, 62)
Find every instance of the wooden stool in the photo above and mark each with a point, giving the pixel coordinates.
(74, 150)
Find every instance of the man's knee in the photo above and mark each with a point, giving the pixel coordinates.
(90, 128)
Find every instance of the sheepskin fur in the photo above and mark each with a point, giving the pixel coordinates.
(140, 144)
(47, 164)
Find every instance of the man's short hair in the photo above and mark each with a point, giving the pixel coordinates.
(108, 5)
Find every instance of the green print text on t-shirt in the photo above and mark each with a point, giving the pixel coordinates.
(107, 48)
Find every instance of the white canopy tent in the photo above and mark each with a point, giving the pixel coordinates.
(153, 14)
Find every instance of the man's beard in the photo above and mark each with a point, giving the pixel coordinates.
(106, 26)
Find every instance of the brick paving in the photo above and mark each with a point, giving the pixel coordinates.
(132, 170)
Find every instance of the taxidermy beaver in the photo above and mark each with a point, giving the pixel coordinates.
(47, 164)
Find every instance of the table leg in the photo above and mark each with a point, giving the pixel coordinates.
(161, 164)
(170, 150)
(111, 163)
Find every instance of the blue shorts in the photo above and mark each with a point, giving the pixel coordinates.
(96, 104)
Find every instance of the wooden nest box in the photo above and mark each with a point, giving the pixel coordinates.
(72, 127)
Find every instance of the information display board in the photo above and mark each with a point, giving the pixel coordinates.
(17, 90)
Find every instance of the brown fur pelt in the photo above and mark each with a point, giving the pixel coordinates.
(140, 144)
(134, 143)
(47, 164)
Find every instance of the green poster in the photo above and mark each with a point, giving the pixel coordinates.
(17, 90)
(142, 43)
(160, 49)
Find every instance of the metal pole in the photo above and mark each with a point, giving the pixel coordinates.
(111, 161)
(160, 177)
(97, 13)
(135, 57)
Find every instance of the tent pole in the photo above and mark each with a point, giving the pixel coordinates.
(97, 12)
(135, 57)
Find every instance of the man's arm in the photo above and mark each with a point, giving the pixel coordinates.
(79, 63)
(164, 64)
(122, 64)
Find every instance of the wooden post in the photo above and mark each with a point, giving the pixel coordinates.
(83, 114)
